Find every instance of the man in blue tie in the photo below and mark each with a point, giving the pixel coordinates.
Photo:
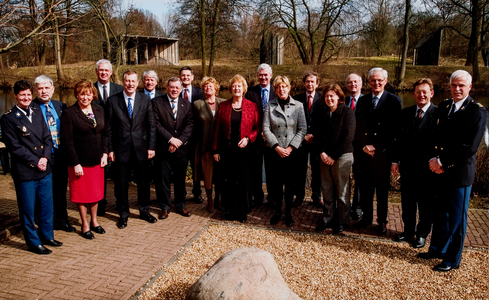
(150, 82)
(261, 94)
(132, 142)
(52, 111)
(376, 115)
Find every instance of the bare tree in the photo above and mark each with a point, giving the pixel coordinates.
(405, 45)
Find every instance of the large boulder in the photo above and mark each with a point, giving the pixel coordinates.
(243, 273)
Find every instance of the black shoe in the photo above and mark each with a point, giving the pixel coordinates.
(230, 216)
(53, 243)
(428, 255)
(444, 267)
(40, 250)
(403, 237)
(243, 218)
(362, 224)
(355, 215)
(288, 221)
(88, 235)
(381, 229)
(122, 223)
(275, 219)
(338, 228)
(198, 199)
(322, 226)
(65, 227)
(297, 202)
(148, 218)
(419, 242)
(97, 229)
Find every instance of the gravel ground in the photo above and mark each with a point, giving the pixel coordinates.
(331, 267)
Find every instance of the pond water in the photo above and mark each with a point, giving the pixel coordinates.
(7, 100)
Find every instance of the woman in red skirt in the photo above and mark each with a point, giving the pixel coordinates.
(84, 138)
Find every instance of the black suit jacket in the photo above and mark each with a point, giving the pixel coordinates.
(412, 143)
(27, 143)
(114, 89)
(254, 94)
(124, 133)
(82, 141)
(167, 126)
(316, 104)
(457, 139)
(197, 94)
(376, 127)
(157, 93)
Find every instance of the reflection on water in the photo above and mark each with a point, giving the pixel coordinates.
(7, 99)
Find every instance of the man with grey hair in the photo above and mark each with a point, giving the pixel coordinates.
(52, 111)
(105, 89)
(150, 81)
(460, 124)
(376, 117)
(261, 94)
(174, 124)
(354, 86)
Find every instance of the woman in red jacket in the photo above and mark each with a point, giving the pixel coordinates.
(237, 126)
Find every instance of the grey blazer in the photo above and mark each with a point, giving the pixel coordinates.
(285, 128)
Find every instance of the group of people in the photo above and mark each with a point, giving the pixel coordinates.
(230, 142)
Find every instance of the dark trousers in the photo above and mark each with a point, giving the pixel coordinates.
(282, 179)
(256, 169)
(450, 223)
(196, 189)
(103, 203)
(356, 206)
(374, 177)
(417, 195)
(34, 199)
(60, 184)
(121, 188)
(304, 158)
(165, 168)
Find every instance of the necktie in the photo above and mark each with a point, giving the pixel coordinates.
(419, 117)
(173, 108)
(309, 103)
(106, 95)
(129, 107)
(452, 110)
(352, 105)
(264, 98)
(151, 95)
(375, 102)
(52, 127)
(185, 94)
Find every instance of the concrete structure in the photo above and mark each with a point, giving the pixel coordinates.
(150, 50)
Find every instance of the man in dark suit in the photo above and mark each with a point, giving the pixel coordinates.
(174, 124)
(29, 142)
(52, 111)
(410, 155)
(460, 125)
(376, 116)
(105, 89)
(132, 141)
(354, 86)
(191, 93)
(150, 81)
(310, 100)
(261, 94)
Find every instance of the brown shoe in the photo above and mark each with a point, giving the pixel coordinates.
(163, 214)
(183, 211)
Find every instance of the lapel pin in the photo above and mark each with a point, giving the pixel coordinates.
(17, 115)
(24, 129)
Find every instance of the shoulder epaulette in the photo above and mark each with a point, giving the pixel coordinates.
(8, 111)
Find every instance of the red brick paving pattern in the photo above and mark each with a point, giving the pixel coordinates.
(116, 264)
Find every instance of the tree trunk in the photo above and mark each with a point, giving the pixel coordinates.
(215, 20)
(57, 50)
(202, 35)
(67, 29)
(407, 17)
(474, 46)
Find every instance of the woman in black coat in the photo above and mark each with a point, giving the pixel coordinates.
(84, 139)
(333, 130)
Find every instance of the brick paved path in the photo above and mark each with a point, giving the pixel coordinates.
(115, 265)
